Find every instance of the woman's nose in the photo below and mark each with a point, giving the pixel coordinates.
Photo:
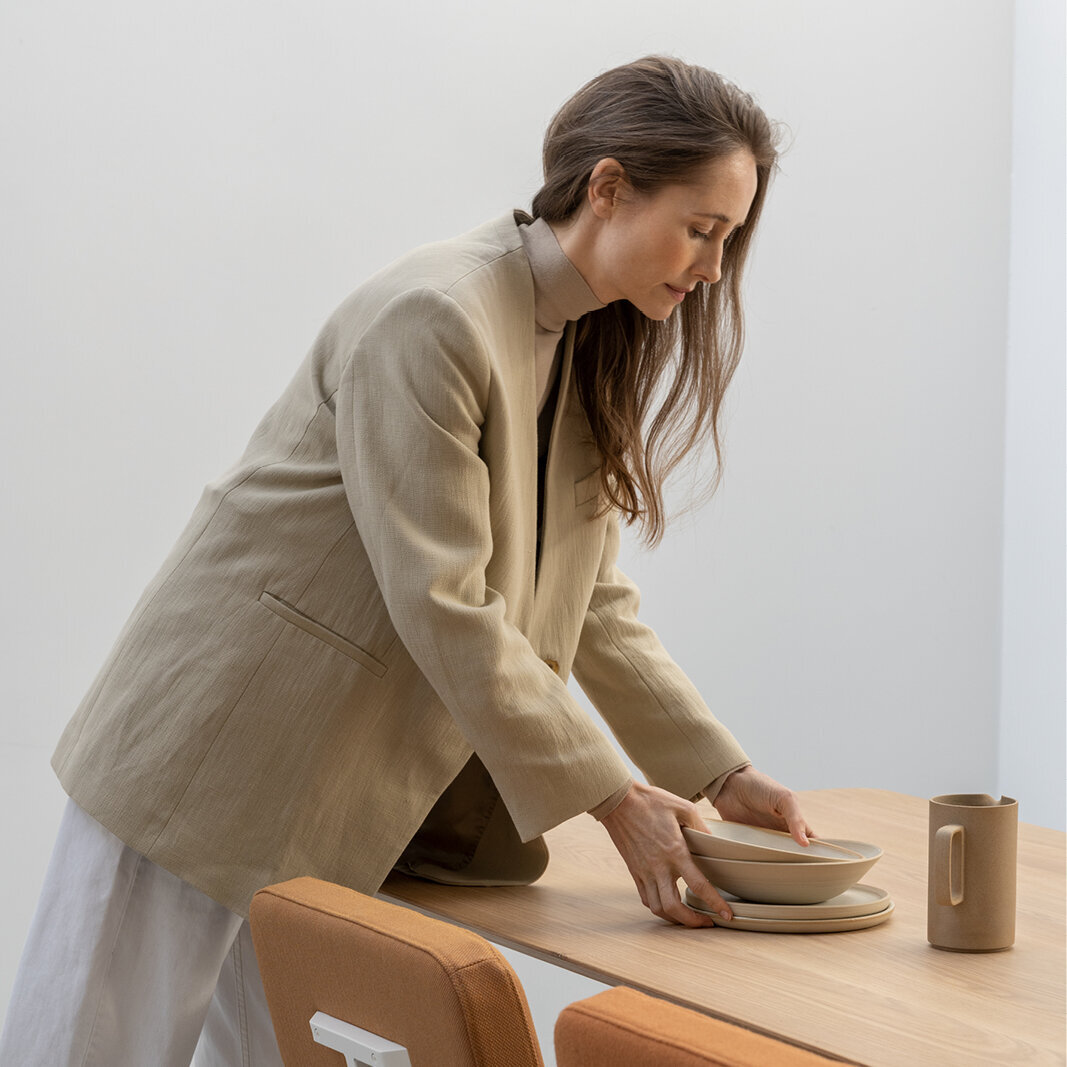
(709, 267)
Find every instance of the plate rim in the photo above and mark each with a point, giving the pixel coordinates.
(801, 926)
(809, 912)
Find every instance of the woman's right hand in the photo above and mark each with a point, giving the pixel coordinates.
(646, 828)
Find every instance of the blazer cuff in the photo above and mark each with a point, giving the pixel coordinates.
(712, 791)
(606, 807)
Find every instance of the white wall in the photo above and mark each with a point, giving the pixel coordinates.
(1032, 721)
(845, 618)
(188, 191)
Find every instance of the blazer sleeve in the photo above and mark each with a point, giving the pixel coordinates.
(653, 709)
(410, 409)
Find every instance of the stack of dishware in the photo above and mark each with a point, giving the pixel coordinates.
(773, 883)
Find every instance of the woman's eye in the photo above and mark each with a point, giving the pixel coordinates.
(700, 234)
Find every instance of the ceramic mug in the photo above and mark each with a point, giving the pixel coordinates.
(971, 874)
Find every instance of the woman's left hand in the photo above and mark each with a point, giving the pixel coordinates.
(750, 796)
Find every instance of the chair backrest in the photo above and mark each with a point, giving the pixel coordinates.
(623, 1027)
(443, 993)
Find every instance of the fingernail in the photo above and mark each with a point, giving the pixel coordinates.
(726, 915)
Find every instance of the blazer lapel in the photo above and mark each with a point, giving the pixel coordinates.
(511, 446)
(572, 458)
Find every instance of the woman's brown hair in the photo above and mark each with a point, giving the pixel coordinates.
(663, 120)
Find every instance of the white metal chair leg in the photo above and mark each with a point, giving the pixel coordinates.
(360, 1048)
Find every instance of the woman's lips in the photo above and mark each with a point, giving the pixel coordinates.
(678, 294)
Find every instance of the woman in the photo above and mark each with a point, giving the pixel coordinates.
(355, 656)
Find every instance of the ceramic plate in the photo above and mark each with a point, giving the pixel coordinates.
(859, 900)
(736, 841)
(795, 926)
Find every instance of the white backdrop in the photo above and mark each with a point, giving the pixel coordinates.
(189, 190)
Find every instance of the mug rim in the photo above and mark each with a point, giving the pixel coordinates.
(973, 800)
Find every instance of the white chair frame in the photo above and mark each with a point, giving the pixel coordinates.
(359, 1047)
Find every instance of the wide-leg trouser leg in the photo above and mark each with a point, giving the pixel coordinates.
(238, 1031)
(121, 961)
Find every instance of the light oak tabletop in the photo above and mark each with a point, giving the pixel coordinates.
(881, 996)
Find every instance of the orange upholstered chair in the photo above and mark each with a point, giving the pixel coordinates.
(345, 972)
(623, 1028)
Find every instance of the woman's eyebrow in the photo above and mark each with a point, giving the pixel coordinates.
(719, 217)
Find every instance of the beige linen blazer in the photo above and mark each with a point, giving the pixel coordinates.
(355, 608)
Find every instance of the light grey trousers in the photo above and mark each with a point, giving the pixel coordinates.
(126, 965)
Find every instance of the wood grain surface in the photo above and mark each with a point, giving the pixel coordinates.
(881, 996)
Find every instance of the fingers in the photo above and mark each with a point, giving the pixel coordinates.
(665, 903)
(789, 808)
(662, 898)
(690, 816)
(702, 888)
(672, 906)
(752, 797)
(646, 829)
(657, 885)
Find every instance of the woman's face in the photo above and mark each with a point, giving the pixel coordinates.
(652, 249)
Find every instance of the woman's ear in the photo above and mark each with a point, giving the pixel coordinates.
(608, 187)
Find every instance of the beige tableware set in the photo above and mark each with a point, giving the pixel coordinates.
(771, 883)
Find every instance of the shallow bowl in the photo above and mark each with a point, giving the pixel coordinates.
(738, 841)
(789, 883)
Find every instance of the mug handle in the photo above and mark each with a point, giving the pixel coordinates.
(948, 865)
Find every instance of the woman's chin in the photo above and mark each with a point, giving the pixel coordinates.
(656, 310)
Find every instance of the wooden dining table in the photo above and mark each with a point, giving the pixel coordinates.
(877, 996)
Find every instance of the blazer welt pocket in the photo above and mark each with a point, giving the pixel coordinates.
(587, 488)
(323, 633)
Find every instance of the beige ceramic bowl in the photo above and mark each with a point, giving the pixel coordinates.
(789, 883)
(737, 841)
